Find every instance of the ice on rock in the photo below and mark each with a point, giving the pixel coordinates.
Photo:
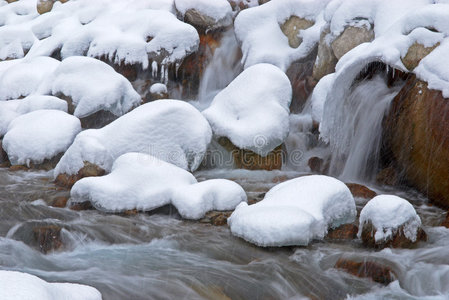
(295, 212)
(19, 286)
(252, 111)
(143, 182)
(9, 110)
(219, 10)
(171, 130)
(22, 77)
(39, 135)
(387, 214)
(262, 40)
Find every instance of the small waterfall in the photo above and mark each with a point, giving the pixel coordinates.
(356, 152)
(223, 68)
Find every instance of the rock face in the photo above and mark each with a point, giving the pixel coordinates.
(88, 170)
(350, 38)
(377, 272)
(416, 132)
(326, 60)
(415, 53)
(292, 27)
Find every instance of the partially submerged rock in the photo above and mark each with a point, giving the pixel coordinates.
(343, 232)
(359, 190)
(367, 269)
(48, 238)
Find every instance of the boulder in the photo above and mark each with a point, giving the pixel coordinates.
(48, 238)
(60, 202)
(361, 191)
(205, 15)
(350, 38)
(416, 134)
(291, 29)
(343, 232)
(157, 91)
(325, 61)
(415, 53)
(88, 170)
(366, 269)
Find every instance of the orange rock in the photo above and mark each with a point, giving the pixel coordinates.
(315, 164)
(60, 202)
(366, 269)
(89, 170)
(343, 232)
(361, 191)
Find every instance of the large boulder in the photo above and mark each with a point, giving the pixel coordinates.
(291, 29)
(415, 53)
(326, 61)
(351, 37)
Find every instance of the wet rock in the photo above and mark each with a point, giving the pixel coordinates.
(343, 232)
(416, 136)
(315, 164)
(4, 160)
(48, 238)
(60, 202)
(397, 240)
(415, 53)
(445, 223)
(263, 1)
(291, 29)
(325, 61)
(350, 38)
(361, 191)
(18, 168)
(78, 206)
(216, 218)
(367, 269)
(88, 170)
(388, 176)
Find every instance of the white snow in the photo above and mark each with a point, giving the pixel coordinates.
(158, 88)
(143, 182)
(20, 78)
(319, 96)
(171, 130)
(295, 212)
(219, 10)
(39, 135)
(387, 213)
(92, 85)
(262, 41)
(20, 286)
(11, 109)
(252, 111)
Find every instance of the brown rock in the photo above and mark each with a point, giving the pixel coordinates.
(351, 38)
(216, 218)
(445, 223)
(325, 61)
(81, 206)
(315, 164)
(60, 201)
(415, 53)
(361, 191)
(388, 176)
(300, 75)
(291, 29)
(416, 134)
(44, 6)
(343, 232)
(18, 168)
(48, 238)
(89, 170)
(398, 239)
(366, 269)
(3, 155)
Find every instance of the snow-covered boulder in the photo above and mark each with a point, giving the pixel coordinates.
(171, 130)
(22, 77)
(205, 14)
(9, 110)
(19, 286)
(252, 111)
(143, 182)
(388, 220)
(91, 85)
(40, 135)
(295, 212)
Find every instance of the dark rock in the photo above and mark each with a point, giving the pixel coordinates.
(388, 176)
(445, 223)
(60, 201)
(367, 269)
(361, 191)
(343, 232)
(81, 206)
(315, 164)
(48, 238)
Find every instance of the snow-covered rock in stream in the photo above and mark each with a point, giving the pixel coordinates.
(143, 182)
(19, 286)
(252, 111)
(40, 135)
(22, 77)
(11, 109)
(295, 212)
(171, 130)
(205, 14)
(262, 39)
(388, 220)
(91, 85)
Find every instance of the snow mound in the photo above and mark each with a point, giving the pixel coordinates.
(262, 40)
(252, 111)
(19, 286)
(387, 213)
(22, 77)
(171, 130)
(92, 85)
(143, 182)
(295, 212)
(9, 110)
(219, 11)
(39, 135)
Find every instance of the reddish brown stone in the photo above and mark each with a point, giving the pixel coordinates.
(367, 269)
(60, 202)
(89, 170)
(388, 176)
(81, 206)
(445, 223)
(18, 168)
(343, 232)
(361, 191)
(48, 238)
(315, 164)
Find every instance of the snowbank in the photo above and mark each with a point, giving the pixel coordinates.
(171, 130)
(39, 135)
(252, 111)
(143, 182)
(92, 85)
(262, 41)
(219, 11)
(19, 286)
(388, 214)
(9, 110)
(22, 77)
(295, 212)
